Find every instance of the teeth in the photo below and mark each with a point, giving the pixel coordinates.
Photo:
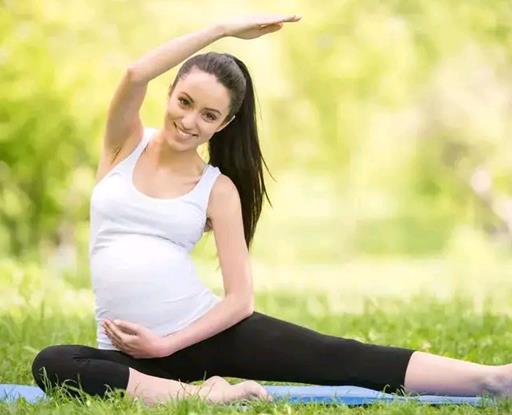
(184, 134)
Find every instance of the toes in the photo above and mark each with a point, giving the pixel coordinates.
(254, 389)
(214, 380)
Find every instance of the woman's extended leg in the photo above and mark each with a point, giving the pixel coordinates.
(98, 371)
(429, 373)
(265, 348)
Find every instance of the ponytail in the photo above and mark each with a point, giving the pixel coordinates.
(235, 149)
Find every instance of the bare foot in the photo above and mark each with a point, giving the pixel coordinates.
(215, 380)
(253, 389)
(500, 382)
(217, 389)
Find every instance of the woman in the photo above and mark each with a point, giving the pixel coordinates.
(154, 197)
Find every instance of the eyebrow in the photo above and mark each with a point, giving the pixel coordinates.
(211, 109)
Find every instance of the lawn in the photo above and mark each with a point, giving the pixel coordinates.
(397, 307)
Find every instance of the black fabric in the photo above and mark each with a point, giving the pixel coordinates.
(259, 347)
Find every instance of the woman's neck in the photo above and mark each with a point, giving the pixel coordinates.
(168, 159)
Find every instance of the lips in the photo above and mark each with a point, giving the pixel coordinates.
(183, 134)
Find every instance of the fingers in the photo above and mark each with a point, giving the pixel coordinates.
(114, 342)
(290, 18)
(112, 332)
(118, 346)
(119, 339)
(272, 28)
(117, 343)
(126, 326)
(279, 19)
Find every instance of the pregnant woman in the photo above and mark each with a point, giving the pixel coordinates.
(157, 324)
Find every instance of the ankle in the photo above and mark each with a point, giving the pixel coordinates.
(497, 380)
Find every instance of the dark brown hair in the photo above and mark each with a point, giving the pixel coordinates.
(235, 149)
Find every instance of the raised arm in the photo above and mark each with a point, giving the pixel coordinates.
(224, 211)
(123, 126)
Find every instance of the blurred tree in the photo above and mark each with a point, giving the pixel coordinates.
(41, 142)
(400, 105)
(402, 101)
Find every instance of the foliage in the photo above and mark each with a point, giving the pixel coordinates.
(398, 111)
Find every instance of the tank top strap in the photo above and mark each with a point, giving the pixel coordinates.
(203, 190)
(126, 165)
(147, 135)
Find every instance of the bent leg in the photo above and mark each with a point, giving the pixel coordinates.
(154, 389)
(95, 372)
(265, 348)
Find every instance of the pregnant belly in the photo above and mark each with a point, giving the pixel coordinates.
(148, 281)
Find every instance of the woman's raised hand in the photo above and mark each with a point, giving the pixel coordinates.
(255, 26)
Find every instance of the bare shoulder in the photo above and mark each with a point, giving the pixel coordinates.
(223, 187)
(224, 197)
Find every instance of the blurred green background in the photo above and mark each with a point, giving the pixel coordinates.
(386, 125)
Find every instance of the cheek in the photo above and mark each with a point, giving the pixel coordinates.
(207, 128)
(210, 129)
(172, 110)
(205, 134)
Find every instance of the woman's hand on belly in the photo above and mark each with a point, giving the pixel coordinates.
(134, 339)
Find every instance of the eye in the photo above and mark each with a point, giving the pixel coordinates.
(211, 117)
(182, 101)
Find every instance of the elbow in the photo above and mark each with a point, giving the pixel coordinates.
(134, 75)
(244, 304)
(249, 310)
(248, 306)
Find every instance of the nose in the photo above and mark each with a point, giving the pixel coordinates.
(189, 121)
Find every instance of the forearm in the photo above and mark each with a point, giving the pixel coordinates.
(223, 315)
(164, 57)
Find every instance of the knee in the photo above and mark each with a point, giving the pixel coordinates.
(46, 364)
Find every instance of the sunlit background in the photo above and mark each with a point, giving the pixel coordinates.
(385, 124)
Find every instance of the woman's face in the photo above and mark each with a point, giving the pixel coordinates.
(196, 109)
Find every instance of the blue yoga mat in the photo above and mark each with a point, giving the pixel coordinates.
(355, 395)
(348, 395)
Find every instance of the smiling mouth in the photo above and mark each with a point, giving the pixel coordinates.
(182, 133)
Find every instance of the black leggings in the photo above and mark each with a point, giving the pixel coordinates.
(259, 348)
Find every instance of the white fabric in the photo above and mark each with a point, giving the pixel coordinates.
(140, 248)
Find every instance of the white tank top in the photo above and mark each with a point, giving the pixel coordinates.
(140, 248)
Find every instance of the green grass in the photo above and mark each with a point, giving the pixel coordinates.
(459, 324)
